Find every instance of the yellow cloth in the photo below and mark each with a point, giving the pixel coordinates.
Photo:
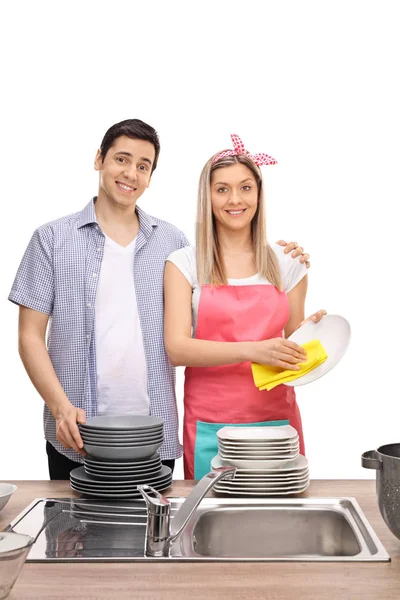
(266, 377)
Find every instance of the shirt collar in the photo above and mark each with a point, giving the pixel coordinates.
(88, 216)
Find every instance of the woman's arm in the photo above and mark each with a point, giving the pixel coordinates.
(297, 299)
(183, 350)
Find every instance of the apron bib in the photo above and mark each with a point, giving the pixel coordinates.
(226, 395)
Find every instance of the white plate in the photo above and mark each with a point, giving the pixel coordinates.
(248, 487)
(265, 483)
(259, 476)
(333, 331)
(261, 457)
(261, 493)
(259, 453)
(299, 464)
(253, 464)
(279, 432)
(273, 445)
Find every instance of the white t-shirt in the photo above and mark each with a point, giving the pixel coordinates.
(120, 357)
(291, 269)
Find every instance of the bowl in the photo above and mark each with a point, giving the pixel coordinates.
(112, 442)
(121, 453)
(123, 422)
(14, 548)
(6, 490)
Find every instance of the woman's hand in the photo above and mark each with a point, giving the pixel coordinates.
(296, 251)
(317, 316)
(277, 352)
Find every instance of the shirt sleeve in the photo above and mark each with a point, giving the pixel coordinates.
(184, 241)
(184, 259)
(292, 270)
(34, 282)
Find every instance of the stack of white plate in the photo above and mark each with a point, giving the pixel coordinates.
(121, 454)
(268, 461)
(271, 445)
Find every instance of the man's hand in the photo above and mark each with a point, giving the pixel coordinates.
(296, 250)
(67, 430)
(70, 543)
(315, 317)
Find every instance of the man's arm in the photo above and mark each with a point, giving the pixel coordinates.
(35, 357)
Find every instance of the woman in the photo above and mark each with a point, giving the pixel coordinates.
(236, 295)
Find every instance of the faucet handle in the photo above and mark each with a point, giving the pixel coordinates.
(156, 503)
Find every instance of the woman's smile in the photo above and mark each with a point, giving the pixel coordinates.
(236, 213)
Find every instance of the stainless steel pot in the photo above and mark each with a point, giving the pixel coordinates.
(386, 461)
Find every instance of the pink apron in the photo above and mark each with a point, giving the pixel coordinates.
(217, 396)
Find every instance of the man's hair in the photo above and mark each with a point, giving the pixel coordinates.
(134, 129)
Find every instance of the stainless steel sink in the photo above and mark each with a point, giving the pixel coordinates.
(314, 530)
(222, 529)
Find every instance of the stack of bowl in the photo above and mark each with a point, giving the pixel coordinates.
(122, 452)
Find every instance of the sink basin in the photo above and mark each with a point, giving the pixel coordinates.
(315, 531)
(222, 529)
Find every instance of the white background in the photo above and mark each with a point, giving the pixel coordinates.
(314, 84)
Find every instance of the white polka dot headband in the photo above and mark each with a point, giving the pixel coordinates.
(238, 148)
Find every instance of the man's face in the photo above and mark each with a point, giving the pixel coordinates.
(125, 172)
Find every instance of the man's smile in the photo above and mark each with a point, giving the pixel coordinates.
(127, 189)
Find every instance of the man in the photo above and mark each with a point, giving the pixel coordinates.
(98, 274)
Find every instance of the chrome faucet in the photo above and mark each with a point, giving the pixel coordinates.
(161, 533)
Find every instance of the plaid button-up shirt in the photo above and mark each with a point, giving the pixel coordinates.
(58, 276)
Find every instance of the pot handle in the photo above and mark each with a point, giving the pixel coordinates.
(370, 460)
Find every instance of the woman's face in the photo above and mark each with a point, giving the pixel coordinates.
(234, 196)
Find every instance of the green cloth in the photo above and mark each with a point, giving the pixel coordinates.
(206, 445)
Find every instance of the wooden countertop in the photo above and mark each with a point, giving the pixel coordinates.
(230, 581)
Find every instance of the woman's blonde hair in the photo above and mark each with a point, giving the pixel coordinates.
(210, 266)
